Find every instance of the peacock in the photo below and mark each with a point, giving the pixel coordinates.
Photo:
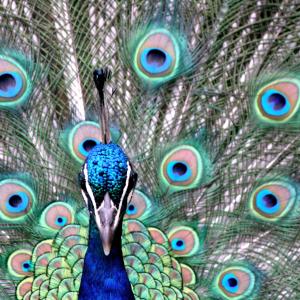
(149, 149)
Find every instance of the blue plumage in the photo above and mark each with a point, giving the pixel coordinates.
(104, 277)
(105, 180)
(107, 168)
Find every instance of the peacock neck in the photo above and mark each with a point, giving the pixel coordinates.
(104, 277)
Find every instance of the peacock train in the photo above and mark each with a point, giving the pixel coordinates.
(149, 150)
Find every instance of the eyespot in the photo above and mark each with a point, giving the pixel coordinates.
(15, 85)
(20, 264)
(57, 215)
(83, 138)
(139, 207)
(157, 54)
(184, 241)
(16, 200)
(278, 101)
(235, 283)
(184, 167)
(271, 201)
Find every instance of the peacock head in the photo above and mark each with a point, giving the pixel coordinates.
(107, 180)
(107, 177)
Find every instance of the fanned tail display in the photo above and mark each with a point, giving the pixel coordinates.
(149, 150)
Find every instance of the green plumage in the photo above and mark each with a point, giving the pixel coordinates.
(203, 99)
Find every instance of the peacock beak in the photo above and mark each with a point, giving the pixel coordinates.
(107, 221)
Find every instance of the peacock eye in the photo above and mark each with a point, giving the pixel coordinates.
(15, 86)
(57, 215)
(87, 145)
(236, 283)
(17, 199)
(184, 241)
(179, 171)
(272, 200)
(131, 209)
(27, 266)
(278, 101)
(82, 138)
(178, 244)
(20, 264)
(157, 55)
(184, 167)
(61, 221)
(139, 207)
(17, 202)
(155, 61)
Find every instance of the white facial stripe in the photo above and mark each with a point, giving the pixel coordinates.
(91, 195)
(84, 197)
(123, 194)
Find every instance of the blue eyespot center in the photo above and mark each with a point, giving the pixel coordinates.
(27, 266)
(270, 200)
(17, 202)
(10, 84)
(178, 245)
(14, 200)
(155, 60)
(267, 202)
(275, 103)
(87, 145)
(278, 101)
(61, 221)
(131, 209)
(230, 283)
(156, 57)
(179, 171)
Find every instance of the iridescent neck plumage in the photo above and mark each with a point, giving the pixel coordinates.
(104, 277)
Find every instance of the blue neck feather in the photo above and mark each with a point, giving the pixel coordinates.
(104, 277)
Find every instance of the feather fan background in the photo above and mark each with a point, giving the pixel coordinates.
(230, 55)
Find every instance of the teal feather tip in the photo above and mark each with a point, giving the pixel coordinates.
(15, 81)
(278, 101)
(17, 200)
(139, 207)
(56, 215)
(20, 264)
(273, 200)
(158, 54)
(80, 139)
(184, 166)
(238, 282)
(185, 241)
